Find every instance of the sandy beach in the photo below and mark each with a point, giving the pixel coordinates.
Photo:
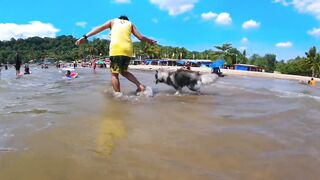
(228, 72)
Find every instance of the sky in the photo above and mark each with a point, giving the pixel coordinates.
(287, 28)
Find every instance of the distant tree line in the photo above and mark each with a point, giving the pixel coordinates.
(63, 48)
(59, 48)
(305, 66)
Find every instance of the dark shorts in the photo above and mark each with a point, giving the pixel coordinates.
(119, 64)
(18, 67)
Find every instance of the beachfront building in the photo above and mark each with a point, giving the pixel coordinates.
(172, 62)
(194, 63)
(246, 67)
(145, 62)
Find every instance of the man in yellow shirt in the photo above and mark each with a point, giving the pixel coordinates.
(121, 49)
(312, 82)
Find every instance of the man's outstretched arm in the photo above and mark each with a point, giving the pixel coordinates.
(96, 30)
(141, 37)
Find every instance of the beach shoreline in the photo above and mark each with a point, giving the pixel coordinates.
(228, 72)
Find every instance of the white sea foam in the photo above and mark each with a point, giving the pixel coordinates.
(289, 94)
(148, 92)
(7, 149)
(208, 79)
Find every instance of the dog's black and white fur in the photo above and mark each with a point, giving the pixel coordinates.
(181, 78)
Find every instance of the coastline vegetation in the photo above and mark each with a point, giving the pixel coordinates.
(63, 48)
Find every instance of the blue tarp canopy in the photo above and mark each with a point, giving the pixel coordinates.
(242, 67)
(194, 62)
(206, 63)
(148, 61)
(181, 62)
(163, 61)
(218, 63)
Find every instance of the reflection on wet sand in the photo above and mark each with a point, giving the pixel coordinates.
(111, 128)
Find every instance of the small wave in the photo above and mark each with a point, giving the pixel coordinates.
(288, 94)
(222, 86)
(6, 135)
(7, 149)
(32, 111)
(49, 124)
(270, 91)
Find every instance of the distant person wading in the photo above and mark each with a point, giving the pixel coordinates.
(18, 64)
(121, 49)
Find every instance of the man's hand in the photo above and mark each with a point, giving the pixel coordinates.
(80, 41)
(151, 41)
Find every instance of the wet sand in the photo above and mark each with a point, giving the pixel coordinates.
(239, 128)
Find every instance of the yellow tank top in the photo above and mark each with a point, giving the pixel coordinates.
(312, 83)
(120, 35)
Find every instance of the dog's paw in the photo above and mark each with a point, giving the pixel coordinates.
(178, 93)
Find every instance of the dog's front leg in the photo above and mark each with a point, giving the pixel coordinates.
(179, 91)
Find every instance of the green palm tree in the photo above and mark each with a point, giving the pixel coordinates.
(224, 47)
(313, 60)
(224, 52)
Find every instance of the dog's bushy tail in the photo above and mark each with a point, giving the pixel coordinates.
(208, 79)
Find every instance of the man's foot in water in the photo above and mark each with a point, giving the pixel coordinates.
(141, 89)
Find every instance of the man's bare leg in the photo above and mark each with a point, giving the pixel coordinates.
(115, 82)
(134, 80)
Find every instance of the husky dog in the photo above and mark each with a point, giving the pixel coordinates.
(180, 78)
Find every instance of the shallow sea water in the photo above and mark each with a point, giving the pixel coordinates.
(238, 128)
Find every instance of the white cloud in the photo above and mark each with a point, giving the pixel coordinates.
(81, 24)
(284, 44)
(224, 19)
(284, 2)
(155, 20)
(250, 24)
(314, 32)
(175, 7)
(304, 6)
(34, 28)
(122, 1)
(244, 40)
(208, 16)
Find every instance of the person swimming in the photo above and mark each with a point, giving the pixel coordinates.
(312, 82)
(68, 74)
(26, 69)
